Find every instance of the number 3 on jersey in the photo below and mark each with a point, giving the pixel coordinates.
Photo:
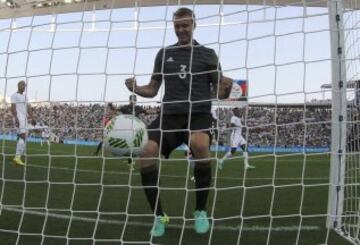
(182, 73)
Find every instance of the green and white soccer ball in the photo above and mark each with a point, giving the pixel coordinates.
(126, 135)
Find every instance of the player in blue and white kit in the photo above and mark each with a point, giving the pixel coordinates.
(45, 134)
(236, 139)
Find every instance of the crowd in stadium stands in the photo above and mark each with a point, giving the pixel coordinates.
(294, 126)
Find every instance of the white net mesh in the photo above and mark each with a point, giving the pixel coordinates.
(349, 225)
(76, 63)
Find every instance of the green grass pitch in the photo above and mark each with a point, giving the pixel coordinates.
(67, 196)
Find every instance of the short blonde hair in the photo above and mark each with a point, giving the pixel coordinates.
(183, 12)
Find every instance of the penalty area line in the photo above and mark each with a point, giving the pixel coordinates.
(256, 228)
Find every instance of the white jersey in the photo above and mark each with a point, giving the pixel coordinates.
(21, 111)
(45, 133)
(237, 122)
(21, 105)
(236, 138)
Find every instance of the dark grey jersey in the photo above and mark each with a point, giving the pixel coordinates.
(189, 73)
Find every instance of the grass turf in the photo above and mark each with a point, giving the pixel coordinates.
(65, 195)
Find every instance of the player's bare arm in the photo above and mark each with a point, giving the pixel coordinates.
(148, 91)
(225, 87)
(13, 112)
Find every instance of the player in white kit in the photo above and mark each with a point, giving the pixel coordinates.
(45, 135)
(20, 110)
(236, 139)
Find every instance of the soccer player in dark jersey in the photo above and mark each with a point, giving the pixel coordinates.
(132, 108)
(188, 71)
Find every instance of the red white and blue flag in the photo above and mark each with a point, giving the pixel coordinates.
(239, 90)
(239, 94)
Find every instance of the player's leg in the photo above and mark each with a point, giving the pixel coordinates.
(20, 149)
(98, 148)
(149, 178)
(149, 170)
(150, 174)
(200, 144)
(227, 155)
(246, 156)
(47, 140)
(202, 173)
(234, 142)
(243, 145)
(21, 142)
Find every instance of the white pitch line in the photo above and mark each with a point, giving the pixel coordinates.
(176, 226)
(260, 158)
(174, 176)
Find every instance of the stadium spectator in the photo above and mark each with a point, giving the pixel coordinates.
(260, 121)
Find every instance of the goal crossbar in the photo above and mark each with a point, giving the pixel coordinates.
(24, 8)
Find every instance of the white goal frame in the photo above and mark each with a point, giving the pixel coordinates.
(22, 8)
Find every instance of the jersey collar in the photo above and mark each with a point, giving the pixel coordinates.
(194, 43)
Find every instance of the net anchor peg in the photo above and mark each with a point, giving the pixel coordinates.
(339, 50)
(337, 17)
(341, 84)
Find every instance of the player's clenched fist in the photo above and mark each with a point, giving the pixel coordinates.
(131, 84)
(225, 87)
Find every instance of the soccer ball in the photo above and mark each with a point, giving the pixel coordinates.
(126, 135)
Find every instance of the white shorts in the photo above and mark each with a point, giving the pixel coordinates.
(23, 126)
(237, 140)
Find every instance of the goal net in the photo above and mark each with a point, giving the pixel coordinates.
(75, 56)
(347, 222)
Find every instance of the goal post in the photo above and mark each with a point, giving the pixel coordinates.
(303, 141)
(343, 202)
(339, 119)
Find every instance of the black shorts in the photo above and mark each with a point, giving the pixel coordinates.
(175, 130)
